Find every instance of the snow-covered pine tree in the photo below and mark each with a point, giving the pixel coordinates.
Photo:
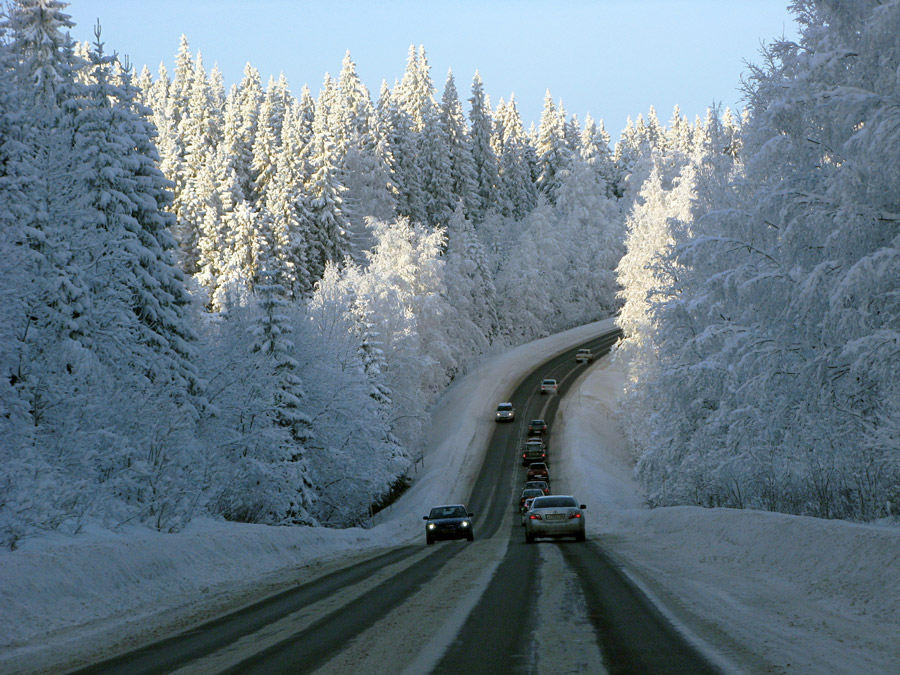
(462, 165)
(328, 228)
(400, 147)
(364, 171)
(517, 194)
(289, 471)
(551, 150)
(487, 174)
(435, 169)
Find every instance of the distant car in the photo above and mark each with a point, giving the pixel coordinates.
(556, 516)
(526, 508)
(506, 412)
(541, 485)
(538, 471)
(585, 355)
(537, 428)
(549, 386)
(534, 450)
(451, 521)
(526, 494)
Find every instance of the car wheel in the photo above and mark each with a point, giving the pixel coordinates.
(429, 541)
(529, 538)
(471, 537)
(579, 536)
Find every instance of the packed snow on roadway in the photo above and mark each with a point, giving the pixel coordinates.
(755, 591)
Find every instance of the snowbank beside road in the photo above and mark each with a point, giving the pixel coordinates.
(760, 591)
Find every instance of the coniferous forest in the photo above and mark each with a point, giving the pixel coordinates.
(242, 303)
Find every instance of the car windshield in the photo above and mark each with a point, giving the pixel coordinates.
(553, 502)
(535, 485)
(539, 466)
(584, 351)
(447, 512)
(537, 423)
(504, 406)
(532, 493)
(549, 381)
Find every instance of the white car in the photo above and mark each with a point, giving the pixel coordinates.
(554, 516)
(506, 412)
(585, 355)
(549, 386)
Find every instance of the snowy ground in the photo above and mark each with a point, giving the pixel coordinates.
(757, 591)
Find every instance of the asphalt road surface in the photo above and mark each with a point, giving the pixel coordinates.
(496, 605)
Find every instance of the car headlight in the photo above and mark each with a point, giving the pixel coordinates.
(430, 526)
(464, 523)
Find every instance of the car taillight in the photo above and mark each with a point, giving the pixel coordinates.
(575, 515)
(535, 516)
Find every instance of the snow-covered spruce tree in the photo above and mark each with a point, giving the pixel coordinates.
(415, 93)
(462, 165)
(401, 142)
(517, 193)
(487, 174)
(553, 154)
(44, 294)
(363, 169)
(240, 126)
(435, 169)
(139, 328)
(328, 226)
(199, 135)
(287, 205)
(289, 466)
(596, 153)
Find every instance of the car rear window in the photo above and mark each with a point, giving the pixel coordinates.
(553, 502)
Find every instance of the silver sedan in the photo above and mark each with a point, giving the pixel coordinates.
(554, 516)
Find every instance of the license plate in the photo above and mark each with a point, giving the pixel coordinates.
(556, 516)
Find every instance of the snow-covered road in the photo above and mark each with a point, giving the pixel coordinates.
(758, 591)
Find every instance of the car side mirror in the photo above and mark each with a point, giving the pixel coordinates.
(582, 507)
(424, 517)
(471, 515)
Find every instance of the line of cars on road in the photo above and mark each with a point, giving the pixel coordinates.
(543, 514)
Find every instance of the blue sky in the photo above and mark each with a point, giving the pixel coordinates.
(609, 58)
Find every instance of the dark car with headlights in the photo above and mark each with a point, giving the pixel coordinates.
(451, 521)
(556, 516)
